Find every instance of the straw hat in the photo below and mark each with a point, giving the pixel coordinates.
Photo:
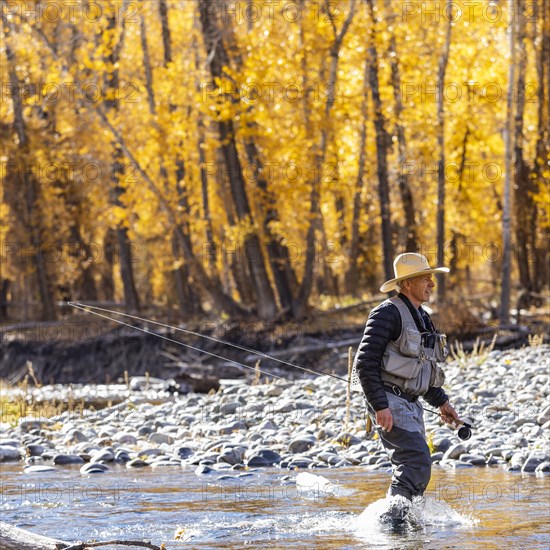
(409, 265)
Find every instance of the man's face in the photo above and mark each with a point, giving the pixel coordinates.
(419, 289)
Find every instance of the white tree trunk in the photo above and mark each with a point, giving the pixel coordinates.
(508, 128)
(13, 538)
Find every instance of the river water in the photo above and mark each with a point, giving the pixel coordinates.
(465, 508)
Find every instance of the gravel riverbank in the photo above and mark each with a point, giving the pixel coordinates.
(291, 424)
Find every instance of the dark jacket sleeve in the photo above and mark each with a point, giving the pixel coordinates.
(435, 396)
(383, 325)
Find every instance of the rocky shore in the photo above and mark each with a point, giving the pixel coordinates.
(305, 423)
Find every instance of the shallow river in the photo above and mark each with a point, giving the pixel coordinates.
(470, 508)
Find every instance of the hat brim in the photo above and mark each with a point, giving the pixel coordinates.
(390, 285)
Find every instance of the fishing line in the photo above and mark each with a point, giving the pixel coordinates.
(79, 306)
(193, 333)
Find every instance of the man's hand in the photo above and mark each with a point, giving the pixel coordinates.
(449, 415)
(384, 419)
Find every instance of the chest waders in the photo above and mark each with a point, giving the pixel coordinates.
(409, 368)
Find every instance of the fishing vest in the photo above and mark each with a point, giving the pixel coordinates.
(407, 363)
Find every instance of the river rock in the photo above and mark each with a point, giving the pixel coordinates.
(300, 462)
(122, 456)
(231, 456)
(62, 459)
(10, 443)
(93, 468)
(267, 425)
(184, 452)
(137, 463)
(74, 436)
(324, 433)
(125, 438)
(8, 453)
(103, 455)
(35, 450)
(543, 467)
(544, 416)
(235, 426)
(39, 469)
(257, 461)
(161, 438)
(517, 460)
(301, 445)
(454, 451)
(475, 460)
(29, 425)
(534, 460)
(272, 457)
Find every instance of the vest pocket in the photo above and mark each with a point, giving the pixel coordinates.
(402, 367)
(420, 384)
(411, 342)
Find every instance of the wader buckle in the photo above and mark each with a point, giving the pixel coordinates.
(396, 390)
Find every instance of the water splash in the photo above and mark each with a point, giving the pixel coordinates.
(311, 486)
(424, 512)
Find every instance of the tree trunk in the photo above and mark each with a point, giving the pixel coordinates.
(107, 285)
(508, 129)
(188, 300)
(126, 267)
(542, 149)
(278, 254)
(411, 240)
(253, 249)
(4, 290)
(383, 144)
(352, 276)
(13, 538)
(442, 69)
(523, 200)
(300, 303)
(30, 188)
(211, 285)
(84, 284)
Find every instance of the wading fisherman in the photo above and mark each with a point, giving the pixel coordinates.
(396, 363)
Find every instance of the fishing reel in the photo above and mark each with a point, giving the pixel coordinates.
(465, 432)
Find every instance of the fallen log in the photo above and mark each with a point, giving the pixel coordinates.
(14, 538)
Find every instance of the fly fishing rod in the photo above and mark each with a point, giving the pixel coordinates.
(95, 311)
(463, 433)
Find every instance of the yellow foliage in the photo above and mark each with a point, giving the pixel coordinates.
(276, 96)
